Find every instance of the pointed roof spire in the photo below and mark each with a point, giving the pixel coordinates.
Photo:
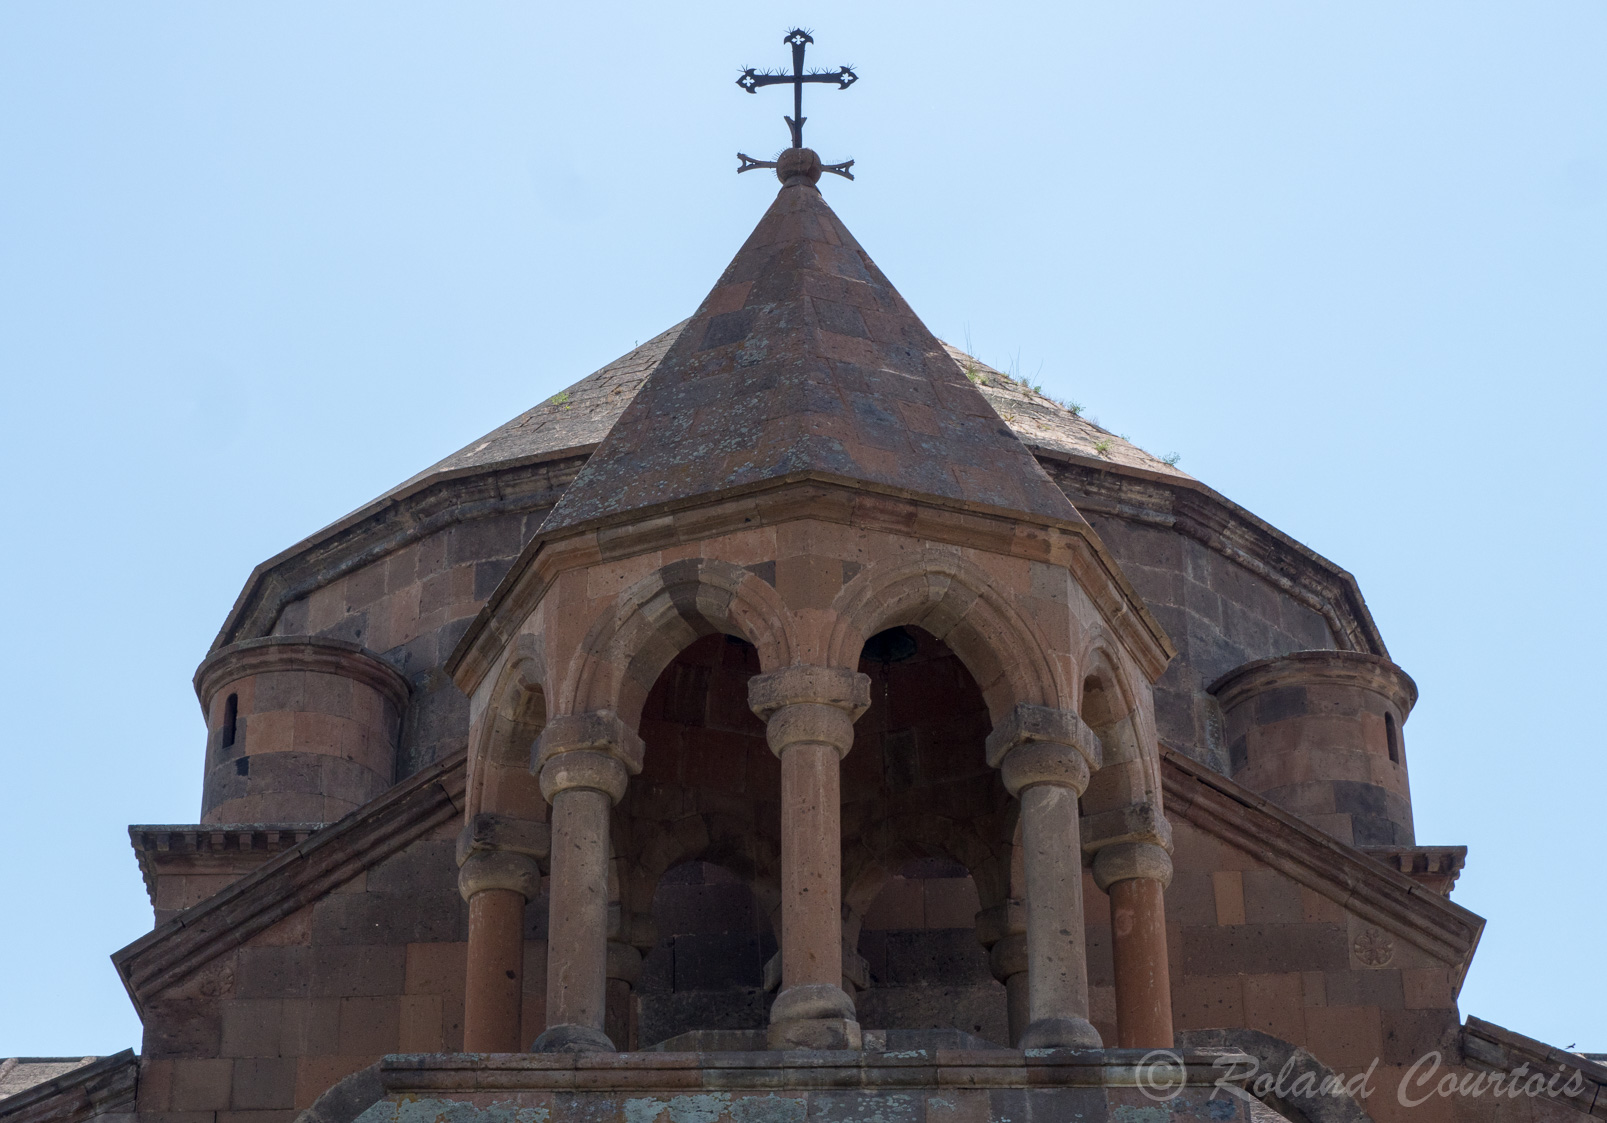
(805, 361)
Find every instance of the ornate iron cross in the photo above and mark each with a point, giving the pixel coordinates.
(751, 80)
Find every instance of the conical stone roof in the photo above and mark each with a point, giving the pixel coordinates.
(805, 361)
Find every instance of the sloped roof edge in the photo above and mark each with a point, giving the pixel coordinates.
(100, 1087)
(1487, 1045)
(292, 880)
(1347, 876)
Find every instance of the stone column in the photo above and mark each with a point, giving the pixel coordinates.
(624, 972)
(1003, 931)
(498, 872)
(1045, 757)
(810, 714)
(1136, 875)
(584, 762)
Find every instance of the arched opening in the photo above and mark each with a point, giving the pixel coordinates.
(925, 967)
(698, 832)
(697, 836)
(1392, 738)
(706, 971)
(231, 718)
(926, 835)
(503, 781)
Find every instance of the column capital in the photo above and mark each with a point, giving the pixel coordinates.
(1136, 822)
(810, 706)
(592, 750)
(486, 832)
(499, 869)
(837, 687)
(1027, 724)
(1125, 861)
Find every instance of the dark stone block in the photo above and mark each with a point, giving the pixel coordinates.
(279, 690)
(357, 971)
(1238, 755)
(483, 539)
(1378, 830)
(682, 909)
(717, 961)
(935, 957)
(293, 618)
(1260, 948)
(263, 1084)
(1280, 704)
(728, 327)
(658, 969)
(273, 972)
(423, 866)
(1357, 798)
(664, 1016)
(1364, 988)
(387, 918)
(488, 575)
(841, 318)
(352, 627)
(183, 1027)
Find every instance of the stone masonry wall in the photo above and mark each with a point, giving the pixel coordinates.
(1220, 616)
(375, 967)
(411, 607)
(1252, 948)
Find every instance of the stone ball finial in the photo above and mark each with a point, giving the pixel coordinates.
(798, 165)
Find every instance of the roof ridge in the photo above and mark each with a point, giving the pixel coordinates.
(804, 357)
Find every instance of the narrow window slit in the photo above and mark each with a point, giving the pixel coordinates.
(231, 715)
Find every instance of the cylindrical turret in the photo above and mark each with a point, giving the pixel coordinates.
(1319, 734)
(299, 730)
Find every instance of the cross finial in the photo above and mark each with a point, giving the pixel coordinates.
(751, 80)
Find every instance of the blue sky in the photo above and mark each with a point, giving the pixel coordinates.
(260, 262)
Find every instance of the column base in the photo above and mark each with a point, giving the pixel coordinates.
(573, 1039)
(1061, 1033)
(813, 1016)
(814, 1033)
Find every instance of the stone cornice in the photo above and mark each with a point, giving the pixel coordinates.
(294, 879)
(103, 1087)
(298, 653)
(1490, 1047)
(457, 1076)
(228, 848)
(387, 524)
(1348, 877)
(826, 499)
(1186, 505)
(1317, 668)
(435, 502)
